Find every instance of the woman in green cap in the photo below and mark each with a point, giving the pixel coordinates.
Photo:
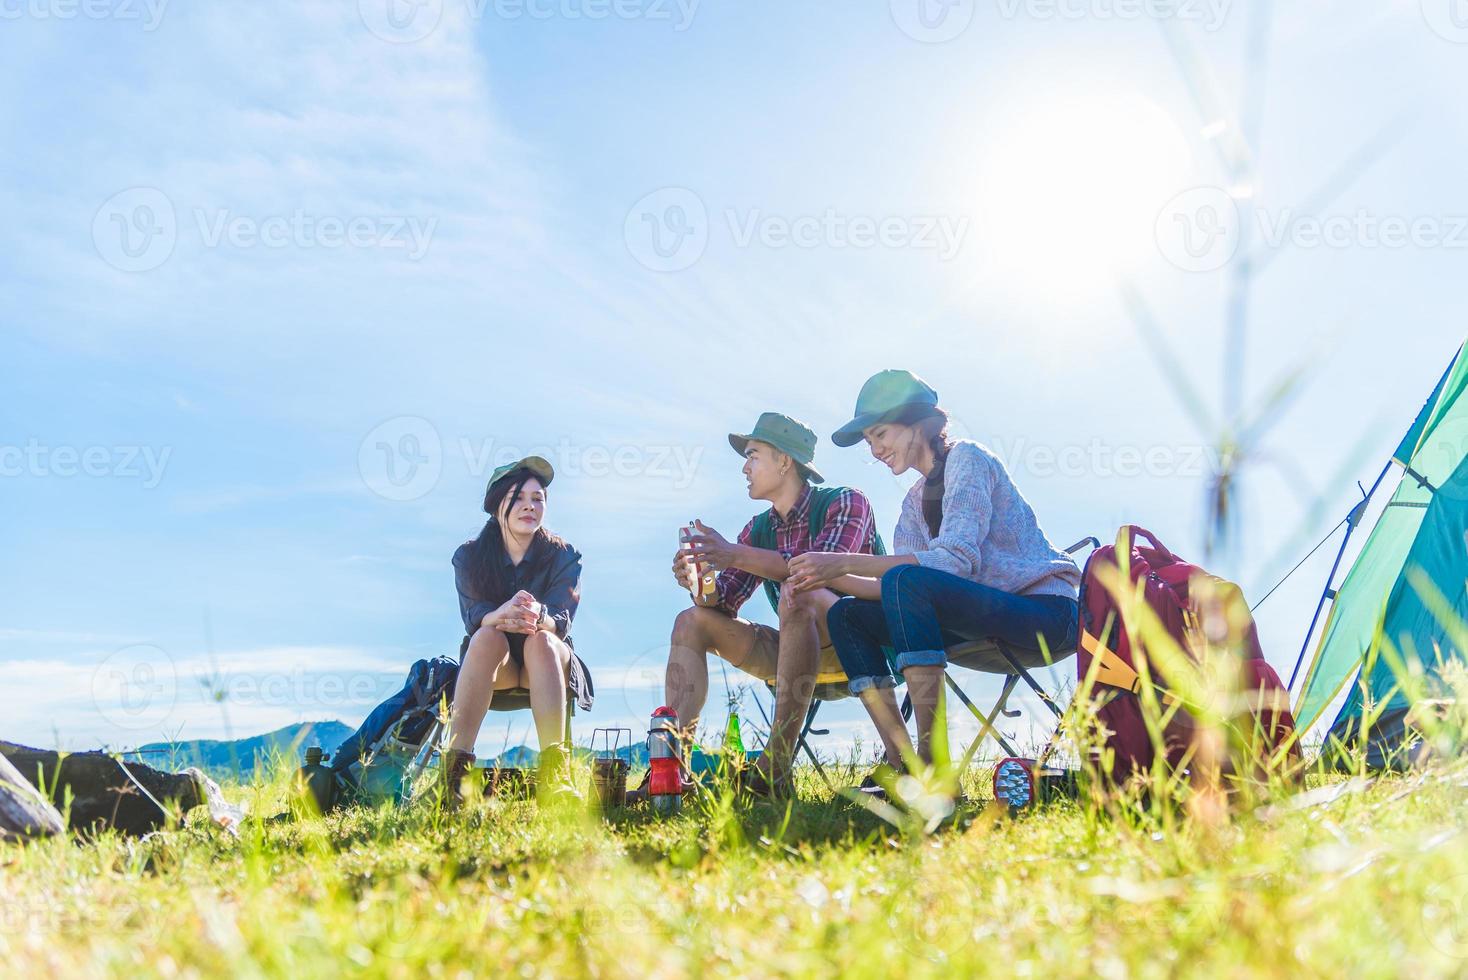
(969, 562)
(519, 586)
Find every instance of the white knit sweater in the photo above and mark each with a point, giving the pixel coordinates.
(989, 533)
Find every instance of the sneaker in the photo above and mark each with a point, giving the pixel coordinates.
(871, 786)
(757, 783)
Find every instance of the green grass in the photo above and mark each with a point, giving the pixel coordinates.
(1372, 883)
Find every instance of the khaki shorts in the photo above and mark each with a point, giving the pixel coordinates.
(764, 658)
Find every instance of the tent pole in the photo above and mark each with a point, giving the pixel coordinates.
(1328, 596)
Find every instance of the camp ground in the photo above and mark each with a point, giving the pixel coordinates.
(1397, 624)
(661, 489)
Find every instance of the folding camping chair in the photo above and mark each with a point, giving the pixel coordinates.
(831, 686)
(509, 699)
(993, 656)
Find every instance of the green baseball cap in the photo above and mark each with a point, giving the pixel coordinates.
(795, 439)
(538, 465)
(888, 396)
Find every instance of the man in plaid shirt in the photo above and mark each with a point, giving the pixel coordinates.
(777, 466)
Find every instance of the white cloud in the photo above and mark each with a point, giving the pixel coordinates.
(247, 112)
(141, 693)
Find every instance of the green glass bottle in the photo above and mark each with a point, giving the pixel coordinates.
(733, 740)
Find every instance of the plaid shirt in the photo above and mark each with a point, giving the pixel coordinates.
(849, 527)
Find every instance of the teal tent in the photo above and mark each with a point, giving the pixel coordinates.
(1397, 612)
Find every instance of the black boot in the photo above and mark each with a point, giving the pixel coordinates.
(456, 766)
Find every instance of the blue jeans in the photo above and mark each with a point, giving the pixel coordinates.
(924, 610)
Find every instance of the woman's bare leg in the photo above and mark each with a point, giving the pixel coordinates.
(925, 687)
(881, 704)
(547, 658)
(488, 653)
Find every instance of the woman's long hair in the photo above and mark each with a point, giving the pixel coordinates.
(935, 428)
(487, 551)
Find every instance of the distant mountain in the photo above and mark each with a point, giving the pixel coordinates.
(524, 757)
(243, 755)
(519, 757)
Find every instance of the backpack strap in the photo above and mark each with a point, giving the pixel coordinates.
(762, 533)
(1113, 671)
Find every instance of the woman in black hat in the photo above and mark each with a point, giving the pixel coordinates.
(519, 586)
(969, 562)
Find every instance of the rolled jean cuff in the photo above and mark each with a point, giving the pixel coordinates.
(921, 658)
(859, 684)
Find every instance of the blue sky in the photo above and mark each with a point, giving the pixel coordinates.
(283, 282)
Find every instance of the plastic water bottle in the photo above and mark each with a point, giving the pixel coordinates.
(665, 784)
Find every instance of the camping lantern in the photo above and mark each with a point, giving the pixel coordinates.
(665, 781)
(608, 768)
(1020, 783)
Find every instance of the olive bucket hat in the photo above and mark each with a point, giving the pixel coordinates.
(538, 465)
(888, 396)
(795, 439)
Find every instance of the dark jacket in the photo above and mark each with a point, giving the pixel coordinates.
(550, 572)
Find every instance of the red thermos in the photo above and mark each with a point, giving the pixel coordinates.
(665, 785)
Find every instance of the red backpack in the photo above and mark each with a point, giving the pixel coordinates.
(1190, 605)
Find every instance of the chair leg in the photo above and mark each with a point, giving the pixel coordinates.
(987, 723)
(1024, 674)
(803, 744)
